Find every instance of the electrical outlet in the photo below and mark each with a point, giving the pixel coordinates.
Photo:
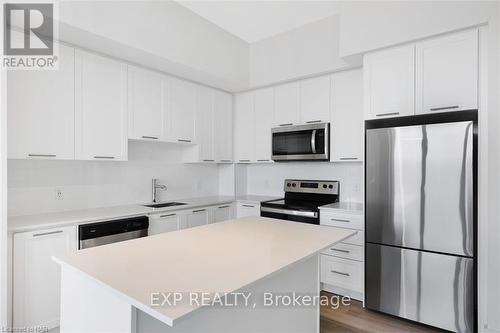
(59, 194)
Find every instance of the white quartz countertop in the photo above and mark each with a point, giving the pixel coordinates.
(255, 198)
(354, 207)
(58, 219)
(220, 257)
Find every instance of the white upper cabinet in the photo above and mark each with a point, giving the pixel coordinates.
(145, 104)
(287, 104)
(40, 110)
(447, 73)
(389, 82)
(347, 116)
(100, 107)
(223, 136)
(181, 110)
(315, 100)
(244, 128)
(205, 124)
(264, 111)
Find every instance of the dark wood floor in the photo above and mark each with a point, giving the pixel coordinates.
(355, 319)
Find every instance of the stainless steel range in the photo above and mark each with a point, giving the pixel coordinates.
(302, 200)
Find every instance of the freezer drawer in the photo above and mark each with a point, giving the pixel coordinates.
(419, 187)
(430, 288)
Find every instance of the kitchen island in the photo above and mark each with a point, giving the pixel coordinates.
(232, 276)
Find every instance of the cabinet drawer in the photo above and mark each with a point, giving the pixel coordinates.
(343, 273)
(347, 251)
(356, 239)
(334, 219)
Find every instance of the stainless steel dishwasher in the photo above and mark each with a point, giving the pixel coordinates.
(100, 233)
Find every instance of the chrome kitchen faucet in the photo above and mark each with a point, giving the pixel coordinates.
(155, 186)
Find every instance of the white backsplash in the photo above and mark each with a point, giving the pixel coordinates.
(32, 184)
(267, 179)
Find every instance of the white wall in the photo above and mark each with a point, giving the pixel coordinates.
(267, 179)
(159, 34)
(370, 25)
(86, 184)
(309, 50)
(3, 199)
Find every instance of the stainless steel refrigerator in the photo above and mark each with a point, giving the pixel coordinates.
(421, 213)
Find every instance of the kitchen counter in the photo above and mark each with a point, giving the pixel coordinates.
(256, 198)
(235, 255)
(352, 207)
(57, 219)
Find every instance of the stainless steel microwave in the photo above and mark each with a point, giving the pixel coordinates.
(301, 142)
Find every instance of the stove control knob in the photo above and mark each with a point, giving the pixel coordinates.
(324, 186)
(288, 184)
(330, 186)
(293, 184)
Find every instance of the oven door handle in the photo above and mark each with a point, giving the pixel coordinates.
(313, 141)
(289, 212)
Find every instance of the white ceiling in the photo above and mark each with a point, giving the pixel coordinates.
(256, 20)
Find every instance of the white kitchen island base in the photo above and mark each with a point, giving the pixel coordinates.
(87, 307)
(115, 287)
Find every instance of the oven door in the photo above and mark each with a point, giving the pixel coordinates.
(310, 217)
(301, 142)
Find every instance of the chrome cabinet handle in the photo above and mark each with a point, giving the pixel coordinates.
(445, 108)
(225, 160)
(199, 210)
(348, 158)
(47, 233)
(183, 140)
(262, 160)
(287, 124)
(105, 157)
(208, 160)
(249, 206)
(168, 215)
(227, 206)
(339, 220)
(150, 137)
(339, 250)
(387, 114)
(313, 121)
(41, 155)
(341, 273)
(244, 160)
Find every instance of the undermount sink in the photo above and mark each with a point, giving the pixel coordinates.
(166, 204)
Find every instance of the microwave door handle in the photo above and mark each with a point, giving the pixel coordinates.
(313, 141)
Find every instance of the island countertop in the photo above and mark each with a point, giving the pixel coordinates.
(215, 258)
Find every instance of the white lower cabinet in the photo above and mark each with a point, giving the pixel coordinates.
(36, 277)
(244, 209)
(165, 222)
(223, 213)
(342, 265)
(197, 217)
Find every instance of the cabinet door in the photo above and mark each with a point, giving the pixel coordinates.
(41, 112)
(223, 213)
(101, 113)
(347, 116)
(389, 82)
(37, 278)
(286, 104)
(181, 110)
(223, 136)
(161, 223)
(244, 128)
(197, 217)
(315, 100)
(264, 114)
(145, 104)
(205, 124)
(447, 73)
(247, 209)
